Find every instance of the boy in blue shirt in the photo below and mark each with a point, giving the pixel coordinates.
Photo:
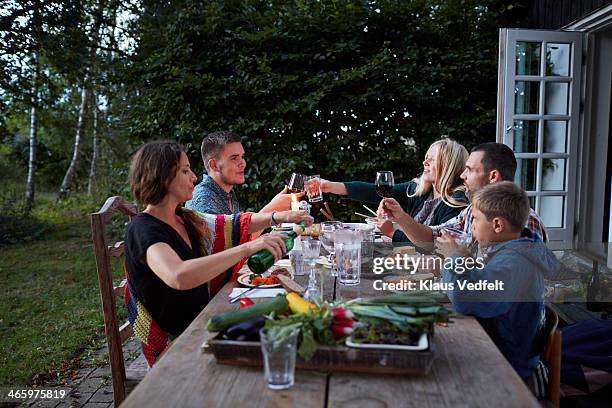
(516, 258)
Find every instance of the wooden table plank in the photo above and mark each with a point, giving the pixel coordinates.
(186, 377)
(468, 371)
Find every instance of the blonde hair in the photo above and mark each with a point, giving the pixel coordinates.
(450, 163)
(503, 199)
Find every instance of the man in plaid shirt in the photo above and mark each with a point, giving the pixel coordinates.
(488, 163)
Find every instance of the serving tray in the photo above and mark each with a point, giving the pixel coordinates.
(329, 359)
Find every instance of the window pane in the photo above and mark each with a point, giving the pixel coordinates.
(557, 59)
(525, 175)
(532, 202)
(528, 58)
(556, 98)
(551, 211)
(525, 136)
(553, 177)
(555, 136)
(527, 95)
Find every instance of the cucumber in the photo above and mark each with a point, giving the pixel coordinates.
(277, 305)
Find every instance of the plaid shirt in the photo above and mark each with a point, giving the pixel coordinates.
(210, 198)
(463, 222)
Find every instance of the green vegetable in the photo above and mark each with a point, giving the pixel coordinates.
(276, 305)
(414, 312)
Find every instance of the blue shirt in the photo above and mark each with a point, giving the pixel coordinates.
(513, 317)
(210, 198)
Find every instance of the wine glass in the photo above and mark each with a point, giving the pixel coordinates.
(384, 183)
(327, 240)
(296, 183)
(310, 253)
(312, 186)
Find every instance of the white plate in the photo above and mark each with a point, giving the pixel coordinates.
(245, 279)
(323, 261)
(284, 263)
(422, 345)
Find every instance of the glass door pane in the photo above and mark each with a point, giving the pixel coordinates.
(538, 112)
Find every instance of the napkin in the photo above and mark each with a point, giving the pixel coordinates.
(257, 293)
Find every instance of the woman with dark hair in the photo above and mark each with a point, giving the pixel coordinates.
(175, 257)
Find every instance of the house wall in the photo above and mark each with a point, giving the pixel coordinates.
(554, 14)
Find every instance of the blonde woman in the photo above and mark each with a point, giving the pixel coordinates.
(431, 199)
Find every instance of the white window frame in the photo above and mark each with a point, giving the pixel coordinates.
(562, 237)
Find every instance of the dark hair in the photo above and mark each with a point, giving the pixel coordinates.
(214, 143)
(152, 169)
(497, 156)
(504, 199)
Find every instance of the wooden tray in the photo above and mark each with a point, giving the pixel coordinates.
(328, 359)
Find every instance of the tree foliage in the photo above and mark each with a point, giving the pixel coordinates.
(341, 88)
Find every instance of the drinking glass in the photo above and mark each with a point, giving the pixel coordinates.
(460, 236)
(347, 245)
(296, 183)
(310, 252)
(384, 184)
(297, 262)
(279, 358)
(327, 240)
(312, 186)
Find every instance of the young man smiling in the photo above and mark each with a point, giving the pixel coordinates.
(223, 157)
(488, 163)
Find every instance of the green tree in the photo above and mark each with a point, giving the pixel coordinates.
(341, 88)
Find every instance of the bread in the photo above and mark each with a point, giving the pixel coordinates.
(313, 231)
(290, 285)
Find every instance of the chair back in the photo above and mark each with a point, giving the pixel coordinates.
(115, 334)
(551, 356)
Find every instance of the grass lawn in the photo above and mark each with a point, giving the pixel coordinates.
(50, 310)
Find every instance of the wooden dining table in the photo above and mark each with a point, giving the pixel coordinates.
(468, 371)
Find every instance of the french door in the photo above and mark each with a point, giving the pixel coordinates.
(538, 117)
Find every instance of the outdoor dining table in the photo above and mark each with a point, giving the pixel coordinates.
(468, 371)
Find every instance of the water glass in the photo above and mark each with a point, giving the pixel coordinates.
(347, 245)
(279, 358)
(296, 258)
(461, 237)
(312, 185)
(348, 260)
(310, 251)
(328, 228)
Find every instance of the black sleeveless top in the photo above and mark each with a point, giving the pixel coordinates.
(172, 309)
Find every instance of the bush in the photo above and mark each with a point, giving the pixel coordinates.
(14, 227)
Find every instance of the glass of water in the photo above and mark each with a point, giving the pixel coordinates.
(347, 245)
(279, 355)
(327, 240)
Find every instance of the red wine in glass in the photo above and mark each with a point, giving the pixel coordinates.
(384, 183)
(384, 190)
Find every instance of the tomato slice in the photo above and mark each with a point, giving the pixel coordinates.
(245, 302)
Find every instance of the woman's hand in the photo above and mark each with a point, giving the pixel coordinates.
(333, 187)
(294, 217)
(389, 208)
(275, 243)
(386, 227)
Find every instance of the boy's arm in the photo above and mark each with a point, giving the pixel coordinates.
(481, 303)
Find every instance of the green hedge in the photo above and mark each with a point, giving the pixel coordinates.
(340, 88)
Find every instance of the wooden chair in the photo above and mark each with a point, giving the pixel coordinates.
(115, 335)
(551, 356)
